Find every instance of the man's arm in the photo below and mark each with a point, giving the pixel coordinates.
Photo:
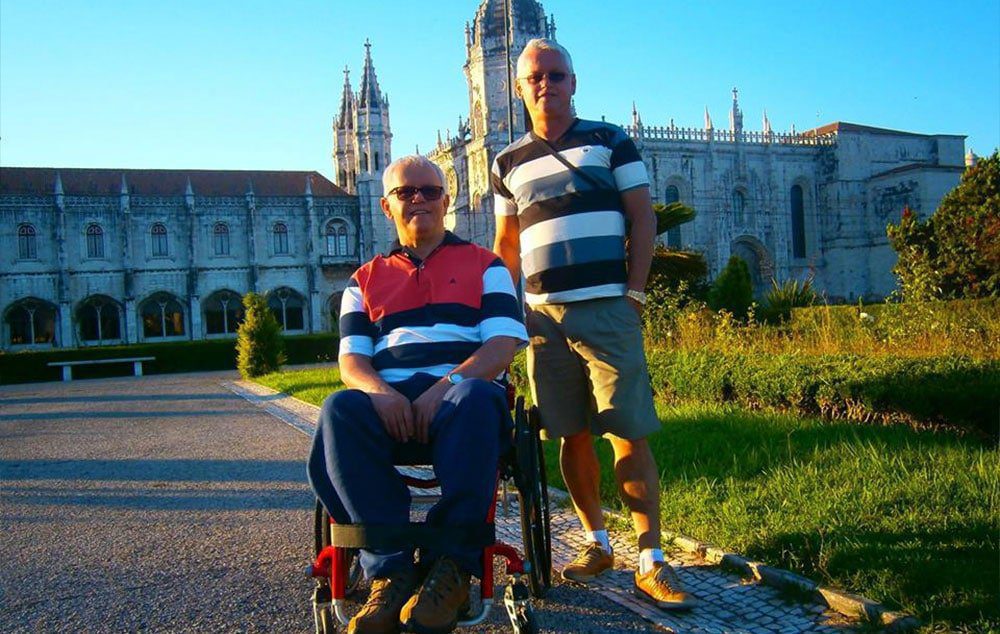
(508, 245)
(392, 407)
(488, 361)
(642, 231)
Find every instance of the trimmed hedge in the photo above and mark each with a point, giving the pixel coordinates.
(184, 356)
(950, 391)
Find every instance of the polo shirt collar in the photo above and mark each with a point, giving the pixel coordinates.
(450, 239)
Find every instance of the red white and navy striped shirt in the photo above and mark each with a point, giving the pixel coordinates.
(411, 315)
(572, 226)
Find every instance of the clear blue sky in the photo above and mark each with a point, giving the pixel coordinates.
(254, 84)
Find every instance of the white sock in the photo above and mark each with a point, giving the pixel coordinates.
(646, 558)
(601, 537)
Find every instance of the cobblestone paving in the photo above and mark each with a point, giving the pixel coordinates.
(727, 603)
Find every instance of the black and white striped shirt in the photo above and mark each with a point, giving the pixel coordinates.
(572, 227)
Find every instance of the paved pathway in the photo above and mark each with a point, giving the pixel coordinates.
(168, 503)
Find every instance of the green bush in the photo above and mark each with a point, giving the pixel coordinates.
(732, 290)
(259, 349)
(952, 391)
(184, 356)
(782, 298)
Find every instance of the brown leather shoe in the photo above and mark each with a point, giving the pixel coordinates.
(434, 609)
(380, 613)
(592, 561)
(661, 587)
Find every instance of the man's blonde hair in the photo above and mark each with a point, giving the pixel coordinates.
(545, 44)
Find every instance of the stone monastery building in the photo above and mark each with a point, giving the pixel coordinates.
(111, 256)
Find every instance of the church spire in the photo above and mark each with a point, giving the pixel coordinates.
(369, 96)
(346, 117)
(708, 119)
(735, 114)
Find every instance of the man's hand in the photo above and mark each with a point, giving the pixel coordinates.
(396, 413)
(426, 407)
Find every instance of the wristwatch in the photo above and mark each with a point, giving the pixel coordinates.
(455, 378)
(638, 296)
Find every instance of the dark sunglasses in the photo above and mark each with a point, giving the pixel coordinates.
(407, 192)
(555, 77)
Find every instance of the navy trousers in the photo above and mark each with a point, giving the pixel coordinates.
(351, 464)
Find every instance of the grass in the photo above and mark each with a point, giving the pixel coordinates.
(909, 519)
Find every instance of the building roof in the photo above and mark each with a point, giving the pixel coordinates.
(843, 126)
(158, 182)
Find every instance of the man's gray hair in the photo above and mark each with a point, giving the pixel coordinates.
(405, 161)
(545, 44)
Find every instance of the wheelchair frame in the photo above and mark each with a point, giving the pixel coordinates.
(524, 465)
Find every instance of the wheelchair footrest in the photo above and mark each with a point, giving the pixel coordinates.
(412, 535)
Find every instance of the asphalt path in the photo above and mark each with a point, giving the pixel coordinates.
(167, 503)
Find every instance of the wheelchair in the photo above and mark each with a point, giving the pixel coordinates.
(337, 573)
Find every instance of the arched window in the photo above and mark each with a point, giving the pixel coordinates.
(223, 313)
(99, 319)
(376, 162)
(158, 238)
(336, 238)
(364, 161)
(162, 316)
(26, 249)
(95, 241)
(280, 238)
(220, 238)
(798, 223)
(31, 322)
(287, 307)
(672, 195)
(739, 207)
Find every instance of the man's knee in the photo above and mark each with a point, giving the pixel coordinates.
(346, 411)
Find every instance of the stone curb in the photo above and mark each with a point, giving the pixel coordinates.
(845, 603)
(851, 605)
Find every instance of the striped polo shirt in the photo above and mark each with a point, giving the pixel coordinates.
(411, 315)
(572, 227)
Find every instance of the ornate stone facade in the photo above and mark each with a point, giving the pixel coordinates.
(101, 256)
(796, 205)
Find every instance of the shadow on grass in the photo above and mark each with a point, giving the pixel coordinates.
(949, 576)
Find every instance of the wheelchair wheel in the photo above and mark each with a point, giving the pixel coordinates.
(321, 533)
(533, 499)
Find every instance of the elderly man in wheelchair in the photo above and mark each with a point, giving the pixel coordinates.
(426, 330)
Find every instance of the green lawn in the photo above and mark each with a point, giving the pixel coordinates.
(905, 518)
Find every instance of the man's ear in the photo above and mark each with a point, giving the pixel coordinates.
(384, 202)
(517, 89)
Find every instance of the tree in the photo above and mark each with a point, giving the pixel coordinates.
(732, 290)
(956, 252)
(259, 347)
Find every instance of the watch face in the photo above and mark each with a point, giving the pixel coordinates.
(454, 378)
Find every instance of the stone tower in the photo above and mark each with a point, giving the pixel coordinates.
(362, 141)
(487, 77)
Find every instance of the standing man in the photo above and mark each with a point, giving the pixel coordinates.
(574, 215)
(425, 329)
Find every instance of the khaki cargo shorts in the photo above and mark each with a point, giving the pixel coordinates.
(588, 369)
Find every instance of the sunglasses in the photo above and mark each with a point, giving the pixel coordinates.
(554, 77)
(407, 192)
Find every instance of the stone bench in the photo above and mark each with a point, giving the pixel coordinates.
(67, 366)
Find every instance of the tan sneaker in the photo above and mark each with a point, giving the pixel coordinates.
(380, 613)
(592, 561)
(661, 587)
(444, 594)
